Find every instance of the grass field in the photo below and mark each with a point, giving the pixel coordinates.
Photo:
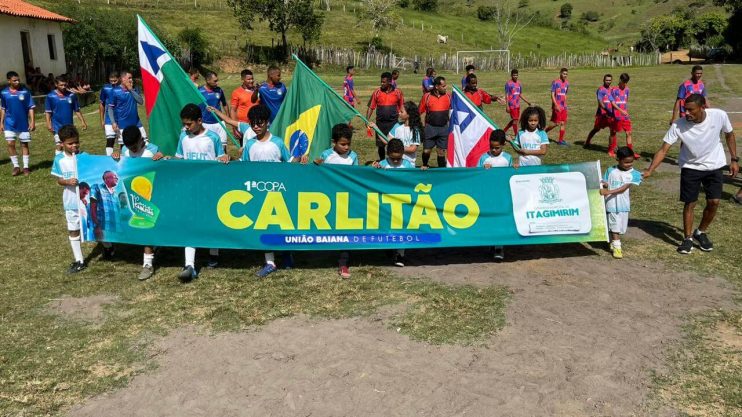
(48, 363)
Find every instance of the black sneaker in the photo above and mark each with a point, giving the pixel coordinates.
(499, 253)
(686, 247)
(188, 274)
(399, 260)
(704, 243)
(108, 253)
(213, 261)
(76, 267)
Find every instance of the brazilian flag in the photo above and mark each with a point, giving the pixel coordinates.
(308, 113)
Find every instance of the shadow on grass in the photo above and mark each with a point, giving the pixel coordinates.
(661, 230)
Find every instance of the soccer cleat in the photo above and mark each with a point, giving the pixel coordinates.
(26, 171)
(16, 171)
(704, 243)
(686, 247)
(617, 252)
(188, 274)
(344, 272)
(499, 253)
(108, 253)
(147, 272)
(562, 143)
(266, 270)
(213, 261)
(399, 260)
(76, 267)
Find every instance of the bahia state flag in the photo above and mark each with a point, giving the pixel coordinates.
(308, 113)
(469, 132)
(167, 89)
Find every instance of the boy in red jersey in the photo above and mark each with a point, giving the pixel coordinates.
(604, 113)
(622, 121)
(559, 89)
(513, 95)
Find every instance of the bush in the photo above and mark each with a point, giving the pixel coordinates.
(404, 3)
(590, 16)
(426, 5)
(196, 45)
(486, 13)
(565, 12)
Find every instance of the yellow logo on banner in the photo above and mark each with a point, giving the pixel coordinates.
(298, 135)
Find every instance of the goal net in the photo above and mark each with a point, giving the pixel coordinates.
(485, 60)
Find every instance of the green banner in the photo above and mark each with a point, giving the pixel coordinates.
(281, 206)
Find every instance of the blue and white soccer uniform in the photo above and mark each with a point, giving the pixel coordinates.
(530, 141)
(330, 156)
(148, 151)
(203, 147)
(246, 131)
(65, 167)
(105, 96)
(618, 205)
(408, 138)
(385, 164)
(16, 104)
(272, 149)
(125, 111)
(272, 95)
(61, 107)
(500, 161)
(214, 98)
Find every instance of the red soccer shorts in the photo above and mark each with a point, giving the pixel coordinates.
(622, 126)
(602, 121)
(558, 116)
(514, 113)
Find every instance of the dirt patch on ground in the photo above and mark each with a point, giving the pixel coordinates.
(581, 337)
(84, 308)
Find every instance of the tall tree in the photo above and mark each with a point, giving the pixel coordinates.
(380, 13)
(281, 15)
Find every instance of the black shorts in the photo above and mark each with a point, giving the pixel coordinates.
(385, 127)
(691, 181)
(436, 137)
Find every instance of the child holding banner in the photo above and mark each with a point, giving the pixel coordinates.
(531, 140)
(197, 143)
(136, 147)
(394, 160)
(65, 169)
(265, 147)
(340, 154)
(618, 179)
(496, 158)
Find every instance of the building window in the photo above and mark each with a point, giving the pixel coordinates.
(52, 47)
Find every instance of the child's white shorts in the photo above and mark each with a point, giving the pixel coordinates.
(219, 130)
(73, 220)
(11, 135)
(618, 222)
(110, 133)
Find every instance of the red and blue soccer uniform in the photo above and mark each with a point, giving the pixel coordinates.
(214, 98)
(349, 92)
(604, 113)
(513, 90)
(560, 89)
(16, 104)
(687, 88)
(620, 99)
(272, 96)
(62, 107)
(427, 84)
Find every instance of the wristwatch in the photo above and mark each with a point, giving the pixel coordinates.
(735, 159)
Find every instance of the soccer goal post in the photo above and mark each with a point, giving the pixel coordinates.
(488, 59)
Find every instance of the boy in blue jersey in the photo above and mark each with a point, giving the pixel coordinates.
(617, 181)
(197, 143)
(136, 147)
(122, 107)
(496, 158)
(65, 169)
(272, 92)
(265, 147)
(17, 120)
(105, 120)
(340, 154)
(214, 96)
(60, 105)
(394, 160)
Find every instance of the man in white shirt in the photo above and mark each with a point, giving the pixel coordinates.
(701, 162)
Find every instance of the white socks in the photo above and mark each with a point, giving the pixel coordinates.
(616, 244)
(25, 161)
(76, 248)
(14, 160)
(109, 151)
(190, 257)
(149, 259)
(270, 259)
